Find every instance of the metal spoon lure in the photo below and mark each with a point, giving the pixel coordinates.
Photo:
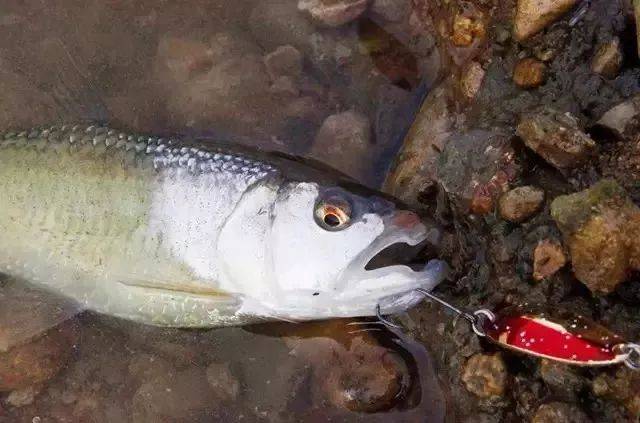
(558, 336)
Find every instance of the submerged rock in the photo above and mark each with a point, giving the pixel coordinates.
(548, 258)
(608, 59)
(532, 16)
(344, 141)
(529, 73)
(624, 118)
(333, 12)
(225, 385)
(471, 80)
(414, 169)
(556, 137)
(467, 29)
(38, 361)
(622, 386)
(475, 168)
(601, 228)
(485, 375)
(520, 203)
(284, 61)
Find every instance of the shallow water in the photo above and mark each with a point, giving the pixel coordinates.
(206, 68)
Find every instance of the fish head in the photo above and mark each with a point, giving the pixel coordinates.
(321, 240)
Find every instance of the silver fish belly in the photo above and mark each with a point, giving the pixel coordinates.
(123, 225)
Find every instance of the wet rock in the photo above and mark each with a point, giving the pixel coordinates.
(366, 388)
(559, 412)
(520, 203)
(278, 23)
(624, 118)
(390, 10)
(344, 141)
(485, 375)
(548, 258)
(225, 86)
(183, 396)
(608, 59)
(414, 169)
(623, 387)
(471, 80)
(601, 228)
(529, 73)
(351, 369)
(534, 15)
(38, 361)
(23, 397)
(556, 137)
(224, 384)
(285, 86)
(561, 378)
(333, 12)
(284, 61)
(475, 168)
(467, 29)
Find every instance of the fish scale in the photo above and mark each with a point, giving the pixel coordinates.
(75, 204)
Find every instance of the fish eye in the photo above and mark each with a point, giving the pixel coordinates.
(333, 214)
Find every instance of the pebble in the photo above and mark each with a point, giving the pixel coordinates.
(623, 386)
(548, 258)
(333, 12)
(23, 397)
(556, 137)
(529, 73)
(559, 412)
(485, 375)
(475, 168)
(532, 16)
(471, 80)
(466, 30)
(283, 61)
(367, 378)
(520, 203)
(561, 378)
(623, 119)
(608, 59)
(344, 141)
(601, 228)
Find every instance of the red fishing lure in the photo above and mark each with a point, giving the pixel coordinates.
(558, 336)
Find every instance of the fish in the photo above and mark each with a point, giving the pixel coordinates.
(186, 233)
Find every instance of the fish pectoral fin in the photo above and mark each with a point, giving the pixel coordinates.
(194, 288)
(27, 312)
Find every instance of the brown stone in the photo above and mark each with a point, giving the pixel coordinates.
(38, 361)
(344, 141)
(623, 387)
(333, 12)
(529, 73)
(520, 203)
(556, 137)
(534, 15)
(601, 228)
(466, 29)
(485, 375)
(284, 61)
(608, 59)
(471, 80)
(548, 258)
